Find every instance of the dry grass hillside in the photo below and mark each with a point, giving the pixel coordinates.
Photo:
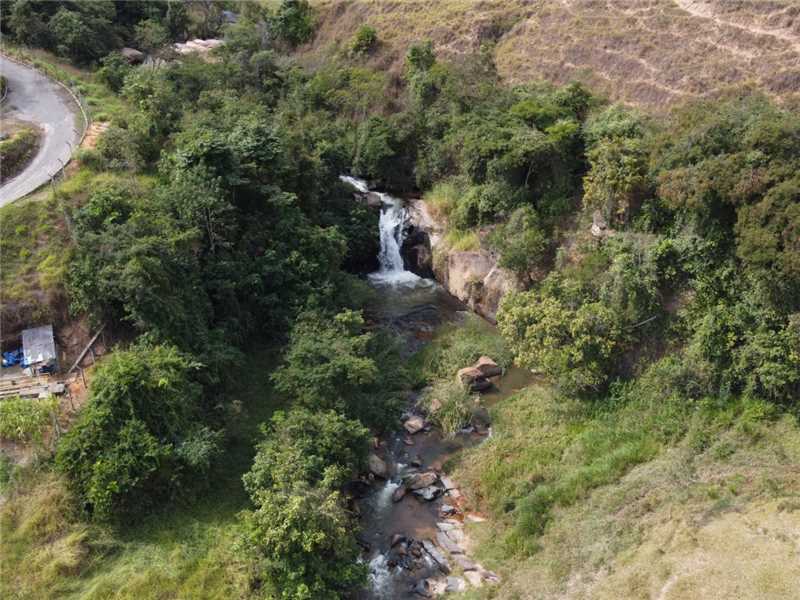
(651, 53)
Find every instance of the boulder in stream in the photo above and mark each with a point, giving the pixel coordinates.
(414, 424)
(422, 588)
(377, 466)
(437, 556)
(399, 493)
(487, 367)
(455, 584)
(446, 544)
(418, 481)
(428, 493)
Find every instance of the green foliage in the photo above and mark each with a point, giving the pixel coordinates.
(299, 516)
(138, 441)
(617, 181)
(25, 419)
(332, 363)
(113, 71)
(85, 33)
(364, 40)
(294, 22)
(420, 57)
(288, 533)
(458, 346)
(304, 446)
(576, 347)
(449, 405)
(521, 241)
(118, 150)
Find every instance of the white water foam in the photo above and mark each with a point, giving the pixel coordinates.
(392, 226)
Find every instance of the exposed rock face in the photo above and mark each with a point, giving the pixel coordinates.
(377, 466)
(487, 367)
(471, 276)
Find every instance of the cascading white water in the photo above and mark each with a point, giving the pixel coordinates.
(392, 233)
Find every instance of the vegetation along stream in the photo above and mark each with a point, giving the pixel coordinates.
(411, 516)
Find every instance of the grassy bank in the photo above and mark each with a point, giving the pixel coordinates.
(186, 551)
(18, 150)
(645, 495)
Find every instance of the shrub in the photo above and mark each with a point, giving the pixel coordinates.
(305, 446)
(333, 363)
(575, 347)
(364, 41)
(136, 441)
(113, 71)
(521, 241)
(300, 540)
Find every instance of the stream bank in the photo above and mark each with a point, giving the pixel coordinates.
(412, 514)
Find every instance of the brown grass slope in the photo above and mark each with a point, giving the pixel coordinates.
(651, 53)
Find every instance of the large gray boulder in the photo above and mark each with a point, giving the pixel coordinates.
(418, 481)
(377, 466)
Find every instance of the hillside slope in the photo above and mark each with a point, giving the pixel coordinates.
(652, 53)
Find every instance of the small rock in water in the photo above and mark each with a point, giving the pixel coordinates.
(466, 564)
(399, 493)
(428, 493)
(447, 482)
(455, 584)
(423, 588)
(443, 526)
(421, 480)
(397, 538)
(437, 556)
(457, 535)
(474, 578)
(447, 510)
(416, 461)
(408, 441)
(414, 424)
(415, 549)
(447, 544)
(377, 466)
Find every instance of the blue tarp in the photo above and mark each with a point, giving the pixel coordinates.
(14, 357)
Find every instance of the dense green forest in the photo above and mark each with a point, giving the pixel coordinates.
(215, 223)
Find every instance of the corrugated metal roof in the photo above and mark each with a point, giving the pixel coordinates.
(38, 344)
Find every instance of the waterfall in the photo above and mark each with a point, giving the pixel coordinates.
(392, 233)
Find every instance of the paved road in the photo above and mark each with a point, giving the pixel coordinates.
(34, 97)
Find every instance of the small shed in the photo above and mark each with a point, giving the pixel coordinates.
(39, 349)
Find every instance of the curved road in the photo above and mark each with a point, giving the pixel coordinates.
(34, 97)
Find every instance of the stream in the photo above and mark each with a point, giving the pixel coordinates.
(415, 547)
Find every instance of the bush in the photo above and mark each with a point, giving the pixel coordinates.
(332, 363)
(299, 537)
(301, 543)
(364, 41)
(310, 447)
(294, 22)
(136, 441)
(521, 241)
(575, 347)
(113, 71)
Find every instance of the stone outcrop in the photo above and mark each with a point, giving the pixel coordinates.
(473, 277)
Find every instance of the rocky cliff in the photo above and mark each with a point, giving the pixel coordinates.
(473, 277)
